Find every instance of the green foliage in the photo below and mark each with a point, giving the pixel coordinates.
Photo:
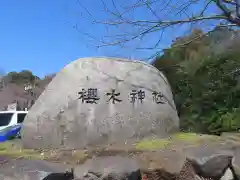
(207, 92)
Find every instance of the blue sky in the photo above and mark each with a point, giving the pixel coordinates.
(39, 35)
(35, 35)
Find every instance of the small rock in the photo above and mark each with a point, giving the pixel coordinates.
(60, 176)
(111, 167)
(215, 167)
(228, 175)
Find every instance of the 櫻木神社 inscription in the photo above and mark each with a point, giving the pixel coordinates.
(91, 96)
(101, 101)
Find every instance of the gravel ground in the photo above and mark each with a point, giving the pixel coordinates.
(170, 159)
(28, 169)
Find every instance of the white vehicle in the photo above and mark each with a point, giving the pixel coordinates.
(11, 118)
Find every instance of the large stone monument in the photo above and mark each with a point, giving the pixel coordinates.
(96, 101)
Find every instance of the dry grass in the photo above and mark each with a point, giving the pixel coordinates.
(152, 144)
(13, 150)
(182, 138)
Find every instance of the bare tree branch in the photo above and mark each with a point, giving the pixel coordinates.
(159, 23)
(83, 7)
(238, 8)
(157, 26)
(150, 8)
(228, 13)
(160, 16)
(205, 7)
(193, 39)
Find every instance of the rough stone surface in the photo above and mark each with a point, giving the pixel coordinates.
(59, 119)
(228, 175)
(112, 167)
(215, 167)
(28, 169)
(218, 167)
(172, 160)
(204, 153)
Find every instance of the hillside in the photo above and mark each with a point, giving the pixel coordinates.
(204, 75)
(12, 88)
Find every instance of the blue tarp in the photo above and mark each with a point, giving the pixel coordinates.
(10, 132)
